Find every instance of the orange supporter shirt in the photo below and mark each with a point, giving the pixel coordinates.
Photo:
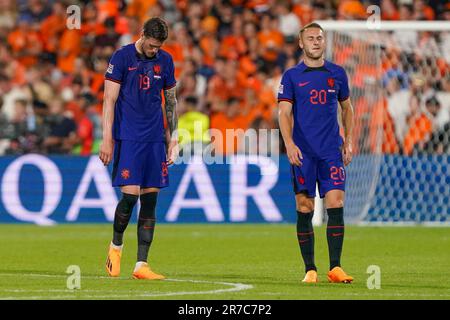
(215, 88)
(390, 144)
(267, 98)
(74, 108)
(419, 130)
(395, 15)
(207, 44)
(428, 13)
(247, 66)
(92, 28)
(86, 134)
(140, 8)
(50, 29)
(232, 47)
(19, 72)
(255, 111)
(252, 4)
(262, 106)
(222, 122)
(303, 12)
(221, 90)
(107, 8)
(380, 125)
(176, 51)
(97, 82)
(352, 8)
(69, 49)
(21, 41)
(270, 39)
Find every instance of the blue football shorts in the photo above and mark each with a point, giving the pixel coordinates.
(328, 172)
(140, 163)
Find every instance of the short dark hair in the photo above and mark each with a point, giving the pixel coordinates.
(156, 28)
(310, 25)
(191, 100)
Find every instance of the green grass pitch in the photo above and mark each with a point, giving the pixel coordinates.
(222, 262)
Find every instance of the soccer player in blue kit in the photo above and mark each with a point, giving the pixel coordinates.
(135, 139)
(308, 104)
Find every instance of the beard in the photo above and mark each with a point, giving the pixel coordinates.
(314, 55)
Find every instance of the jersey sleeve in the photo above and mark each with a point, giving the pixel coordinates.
(344, 90)
(169, 79)
(286, 90)
(115, 71)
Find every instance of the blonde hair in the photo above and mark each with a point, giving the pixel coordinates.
(310, 25)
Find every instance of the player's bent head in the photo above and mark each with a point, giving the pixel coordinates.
(156, 28)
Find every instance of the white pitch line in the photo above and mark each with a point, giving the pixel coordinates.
(235, 287)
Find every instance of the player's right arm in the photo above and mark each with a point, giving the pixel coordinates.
(111, 93)
(113, 79)
(285, 120)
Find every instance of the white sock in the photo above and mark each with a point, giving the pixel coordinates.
(139, 264)
(117, 247)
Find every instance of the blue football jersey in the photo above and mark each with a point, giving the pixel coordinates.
(138, 112)
(314, 94)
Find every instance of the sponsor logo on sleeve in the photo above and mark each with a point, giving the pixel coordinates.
(110, 68)
(281, 89)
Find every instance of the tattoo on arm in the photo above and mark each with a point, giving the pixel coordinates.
(171, 109)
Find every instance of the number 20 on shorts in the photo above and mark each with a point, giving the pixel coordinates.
(337, 173)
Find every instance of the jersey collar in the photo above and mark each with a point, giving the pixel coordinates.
(303, 67)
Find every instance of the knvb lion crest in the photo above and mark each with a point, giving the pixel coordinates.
(156, 69)
(331, 82)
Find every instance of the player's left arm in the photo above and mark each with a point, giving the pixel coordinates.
(347, 123)
(172, 123)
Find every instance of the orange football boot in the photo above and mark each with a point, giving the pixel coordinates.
(113, 262)
(311, 277)
(337, 275)
(144, 272)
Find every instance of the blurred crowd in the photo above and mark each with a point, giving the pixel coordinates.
(229, 57)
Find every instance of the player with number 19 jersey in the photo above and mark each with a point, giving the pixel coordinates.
(314, 93)
(138, 127)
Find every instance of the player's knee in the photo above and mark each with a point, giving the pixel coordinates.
(123, 212)
(335, 203)
(305, 206)
(127, 203)
(148, 205)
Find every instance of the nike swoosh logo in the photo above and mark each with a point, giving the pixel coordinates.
(337, 183)
(132, 68)
(302, 84)
(337, 234)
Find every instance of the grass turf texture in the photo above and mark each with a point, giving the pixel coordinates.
(210, 261)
